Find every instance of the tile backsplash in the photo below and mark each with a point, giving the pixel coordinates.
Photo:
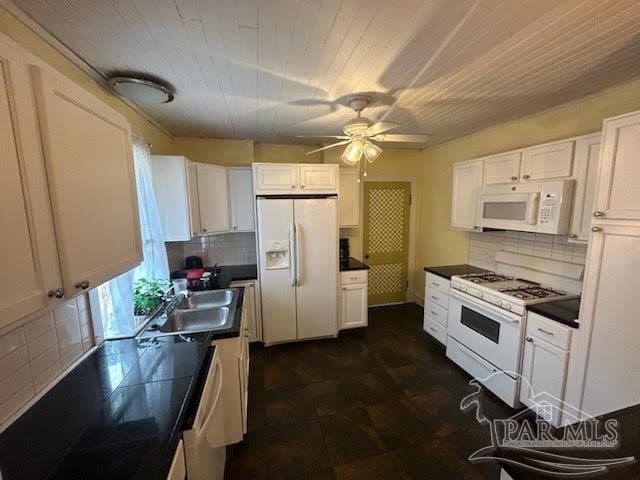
(235, 248)
(35, 353)
(483, 247)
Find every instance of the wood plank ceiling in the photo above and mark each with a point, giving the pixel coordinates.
(272, 69)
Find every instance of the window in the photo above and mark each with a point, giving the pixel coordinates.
(115, 298)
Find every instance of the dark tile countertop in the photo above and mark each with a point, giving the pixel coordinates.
(352, 264)
(563, 311)
(118, 415)
(448, 271)
(228, 274)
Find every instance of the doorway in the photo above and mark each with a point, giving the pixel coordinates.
(386, 240)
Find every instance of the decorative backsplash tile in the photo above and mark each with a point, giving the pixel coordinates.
(483, 247)
(236, 248)
(33, 355)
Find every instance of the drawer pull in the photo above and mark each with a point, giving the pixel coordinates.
(434, 297)
(546, 332)
(433, 330)
(479, 361)
(435, 284)
(434, 313)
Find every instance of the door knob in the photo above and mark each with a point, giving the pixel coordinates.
(596, 229)
(58, 293)
(84, 284)
(598, 214)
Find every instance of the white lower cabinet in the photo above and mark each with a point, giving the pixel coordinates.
(353, 299)
(436, 306)
(254, 314)
(544, 367)
(178, 469)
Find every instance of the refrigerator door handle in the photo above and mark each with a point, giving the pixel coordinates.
(292, 256)
(298, 231)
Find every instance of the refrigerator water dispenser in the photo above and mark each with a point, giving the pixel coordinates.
(276, 255)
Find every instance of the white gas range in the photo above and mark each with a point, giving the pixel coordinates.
(487, 320)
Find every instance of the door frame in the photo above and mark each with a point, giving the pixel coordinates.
(411, 294)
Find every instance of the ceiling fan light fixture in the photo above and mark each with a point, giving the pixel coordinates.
(353, 153)
(371, 151)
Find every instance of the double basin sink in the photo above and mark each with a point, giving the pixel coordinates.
(198, 312)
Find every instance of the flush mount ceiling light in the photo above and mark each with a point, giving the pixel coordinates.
(360, 133)
(141, 91)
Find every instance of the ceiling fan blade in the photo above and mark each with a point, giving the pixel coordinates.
(328, 146)
(380, 127)
(323, 136)
(401, 138)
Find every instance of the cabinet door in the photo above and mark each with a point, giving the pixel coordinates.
(467, 179)
(618, 191)
(609, 309)
(28, 255)
(241, 200)
(194, 203)
(503, 168)
(586, 162)
(319, 178)
(547, 161)
(275, 178)
(354, 306)
(349, 198)
(88, 153)
(212, 198)
(544, 371)
(250, 299)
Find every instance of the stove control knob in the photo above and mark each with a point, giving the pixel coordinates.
(499, 303)
(507, 306)
(480, 295)
(464, 289)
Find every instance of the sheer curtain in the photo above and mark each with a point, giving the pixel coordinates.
(116, 296)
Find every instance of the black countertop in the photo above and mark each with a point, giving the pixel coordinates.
(448, 271)
(228, 274)
(118, 415)
(563, 311)
(352, 264)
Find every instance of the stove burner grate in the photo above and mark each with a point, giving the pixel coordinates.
(528, 293)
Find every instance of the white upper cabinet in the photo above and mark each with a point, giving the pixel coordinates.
(295, 179)
(503, 168)
(467, 179)
(241, 199)
(619, 183)
(553, 160)
(270, 178)
(88, 154)
(349, 198)
(175, 186)
(213, 198)
(586, 161)
(28, 255)
(319, 178)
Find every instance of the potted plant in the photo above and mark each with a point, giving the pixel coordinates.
(147, 297)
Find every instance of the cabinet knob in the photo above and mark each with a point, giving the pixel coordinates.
(204, 230)
(58, 293)
(573, 235)
(293, 186)
(529, 339)
(301, 186)
(598, 214)
(84, 284)
(596, 229)
(526, 177)
(235, 227)
(514, 178)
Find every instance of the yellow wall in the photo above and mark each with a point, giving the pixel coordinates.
(269, 152)
(441, 245)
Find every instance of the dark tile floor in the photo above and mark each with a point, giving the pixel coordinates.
(375, 403)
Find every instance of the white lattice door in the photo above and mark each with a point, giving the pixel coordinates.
(386, 240)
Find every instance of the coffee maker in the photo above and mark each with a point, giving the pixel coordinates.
(344, 249)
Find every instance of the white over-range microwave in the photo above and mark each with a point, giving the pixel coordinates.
(543, 207)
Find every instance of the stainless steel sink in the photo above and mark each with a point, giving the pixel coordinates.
(201, 320)
(200, 312)
(208, 299)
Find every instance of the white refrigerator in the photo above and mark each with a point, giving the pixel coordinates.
(298, 260)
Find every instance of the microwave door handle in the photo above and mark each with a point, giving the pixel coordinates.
(292, 256)
(532, 208)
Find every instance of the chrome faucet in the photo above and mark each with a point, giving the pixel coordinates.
(173, 303)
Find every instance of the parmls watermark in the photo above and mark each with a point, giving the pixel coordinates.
(530, 444)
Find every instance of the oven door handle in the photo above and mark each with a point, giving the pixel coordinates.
(474, 303)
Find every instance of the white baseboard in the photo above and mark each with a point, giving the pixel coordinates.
(419, 300)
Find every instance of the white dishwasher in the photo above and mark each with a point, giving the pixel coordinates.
(204, 443)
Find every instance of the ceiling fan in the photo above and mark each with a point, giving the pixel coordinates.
(360, 133)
